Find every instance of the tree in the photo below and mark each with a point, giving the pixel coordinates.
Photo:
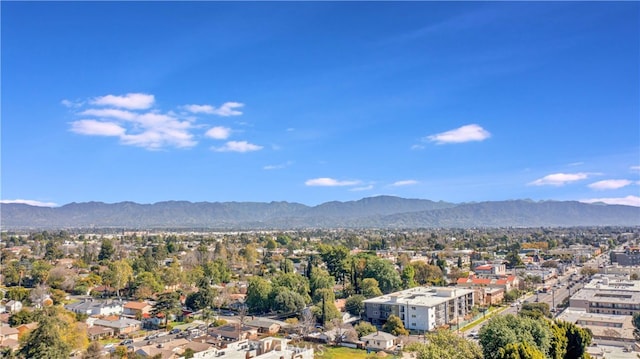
(258, 292)
(535, 310)
(118, 275)
(578, 339)
(94, 351)
(45, 341)
(514, 259)
(426, 274)
(21, 317)
(636, 324)
(294, 282)
(588, 271)
(370, 288)
(395, 326)
(107, 250)
(335, 257)
(508, 329)
(384, 272)
(320, 279)
(167, 304)
(365, 328)
(407, 276)
(325, 308)
(355, 305)
(520, 350)
(287, 301)
(444, 344)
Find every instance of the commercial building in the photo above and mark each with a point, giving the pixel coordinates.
(421, 308)
(630, 256)
(609, 327)
(608, 295)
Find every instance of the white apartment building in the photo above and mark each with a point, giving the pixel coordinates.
(421, 308)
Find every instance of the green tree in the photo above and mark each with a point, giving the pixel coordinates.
(325, 308)
(287, 301)
(444, 344)
(385, 273)
(258, 292)
(167, 304)
(520, 350)
(395, 326)
(17, 293)
(46, 341)
(509, 329)
(636, 325)
(107, 250)
(335, 257)
(118, 275)
(355, 304)
(364, 328)
(294, 282)
(320, 279)
(535, 310)
(514, 259)
(578, 339)
(408, 277)
(22, 317)
(370, 288)
(426, 274)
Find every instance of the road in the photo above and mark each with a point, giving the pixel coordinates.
(561, 289)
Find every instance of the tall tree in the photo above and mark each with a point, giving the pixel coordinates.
(258, 292)
(444, 344)
(45, 341)
(107, 250)
(395, 326)
(168, 304)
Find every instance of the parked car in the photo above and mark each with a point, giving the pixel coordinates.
(175, 331)
(126, 341)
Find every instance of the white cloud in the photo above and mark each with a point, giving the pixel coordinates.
(559, 179)
(199, 108)
(418, 147)
(218, 133)
(329, 182)
(627, 201)
(610, 184)
(365, 188)
(404, 183)
(462, 134)
(131, 101)
(110, 113)
(227, 109)
(238, 146)
(635, 168)
(97, 128)
(30, 202)
(277, 167)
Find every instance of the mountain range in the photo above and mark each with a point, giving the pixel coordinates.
(371, 212)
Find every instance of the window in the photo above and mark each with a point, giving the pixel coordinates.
(413, 308)
(413, 315)
(413, 324)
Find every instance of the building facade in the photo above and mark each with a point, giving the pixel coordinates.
(608, 296)
(421, 308)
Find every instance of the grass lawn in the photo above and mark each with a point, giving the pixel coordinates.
(326, 352)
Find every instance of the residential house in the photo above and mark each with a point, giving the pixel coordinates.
(9, 337)
(96, 307)
(13, 306)
(25, 328)
(265, 325)
(136, 310)
(98, 332)
(120, 325)
(379, 341)
(234, 331)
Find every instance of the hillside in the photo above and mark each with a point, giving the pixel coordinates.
(373, 212)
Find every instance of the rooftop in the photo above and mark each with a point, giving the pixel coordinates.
(421, 296)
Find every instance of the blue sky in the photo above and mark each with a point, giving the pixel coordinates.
(318, 101)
